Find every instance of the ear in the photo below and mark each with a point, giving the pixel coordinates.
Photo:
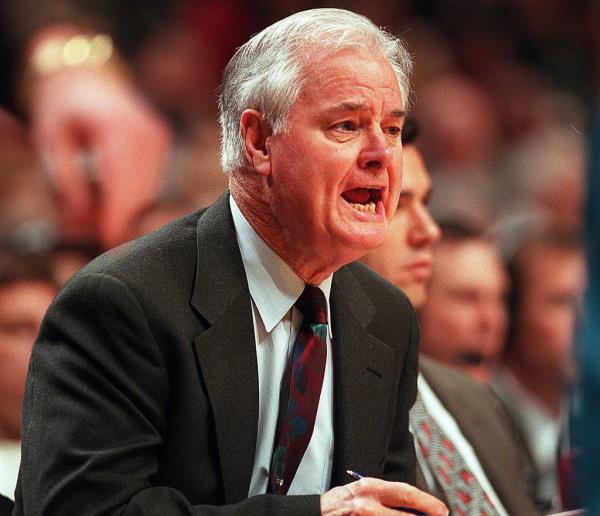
(255, 131)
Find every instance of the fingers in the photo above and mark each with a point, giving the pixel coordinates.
(342, 501)
(370, 496)
(397, 495)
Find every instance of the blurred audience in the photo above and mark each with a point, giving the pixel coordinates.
(485, 78)
(548, 279)
(27, 286)
(461, 140)
(464, 320)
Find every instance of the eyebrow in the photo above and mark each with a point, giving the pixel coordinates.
(362, 106)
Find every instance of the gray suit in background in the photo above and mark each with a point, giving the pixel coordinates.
(486, 426)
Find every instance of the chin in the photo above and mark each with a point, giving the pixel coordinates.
(416, 295)
(365, 239)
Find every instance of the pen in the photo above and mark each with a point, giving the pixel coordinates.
(358, 476)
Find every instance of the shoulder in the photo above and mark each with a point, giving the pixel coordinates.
(447, 379)
(380, 305)
(379, 290)
(160, 256)
(460, 393)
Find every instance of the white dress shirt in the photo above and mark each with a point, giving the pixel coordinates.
(274, 288)
(445, 420)
(10, 458)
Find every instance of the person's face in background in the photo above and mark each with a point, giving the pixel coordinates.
(464, 320)
(22, 308)
(551, 285)
(405, 257)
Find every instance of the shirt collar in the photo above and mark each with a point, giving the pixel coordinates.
(274, 286)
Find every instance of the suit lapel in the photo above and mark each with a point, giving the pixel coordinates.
(226, 350)
(362, 369)
(498, 461)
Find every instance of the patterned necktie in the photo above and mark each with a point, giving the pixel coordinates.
(306, 369)
(464, 495)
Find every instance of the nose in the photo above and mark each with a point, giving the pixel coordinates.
(425, 231)
(492, 316)
(377, 153)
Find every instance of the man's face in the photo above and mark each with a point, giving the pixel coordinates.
(405, 257)
(547, 310)
(22, 307)
(336, 173)
(463, 321)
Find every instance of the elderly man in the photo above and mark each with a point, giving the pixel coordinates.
(159, 384)
(476, 466)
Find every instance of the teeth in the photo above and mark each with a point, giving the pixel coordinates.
(367, 208)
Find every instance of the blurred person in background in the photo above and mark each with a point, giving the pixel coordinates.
(461, 141)
(548, 278)
(88, 76)
(27, 287)
(102, 144)
(470, 415)
(464, 320)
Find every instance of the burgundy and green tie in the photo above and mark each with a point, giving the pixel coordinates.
(306, 369)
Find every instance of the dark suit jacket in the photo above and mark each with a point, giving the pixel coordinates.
(142, 391)
(485, 424)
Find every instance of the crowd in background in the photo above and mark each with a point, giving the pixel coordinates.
(503, 90)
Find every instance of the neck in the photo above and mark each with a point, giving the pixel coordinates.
(305, 260)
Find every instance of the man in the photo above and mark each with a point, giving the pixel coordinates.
(464, 321)
(468, 413)
(157, 380)
(548, 280)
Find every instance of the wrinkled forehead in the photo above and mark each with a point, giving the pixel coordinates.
(322, 64)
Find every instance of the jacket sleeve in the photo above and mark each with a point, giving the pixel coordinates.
(401, 458)
(95, 413)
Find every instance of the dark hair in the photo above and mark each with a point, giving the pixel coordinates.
(410, 130)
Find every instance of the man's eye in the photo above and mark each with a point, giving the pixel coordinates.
(346, 126)
(393, 130)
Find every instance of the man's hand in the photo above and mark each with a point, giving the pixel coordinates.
(375, 496)
(95, 112)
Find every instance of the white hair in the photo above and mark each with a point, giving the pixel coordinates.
(266, 73)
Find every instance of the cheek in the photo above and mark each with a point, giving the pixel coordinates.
(13, 367)
(461, 316)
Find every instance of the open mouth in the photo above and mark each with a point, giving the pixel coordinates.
(363, 199)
